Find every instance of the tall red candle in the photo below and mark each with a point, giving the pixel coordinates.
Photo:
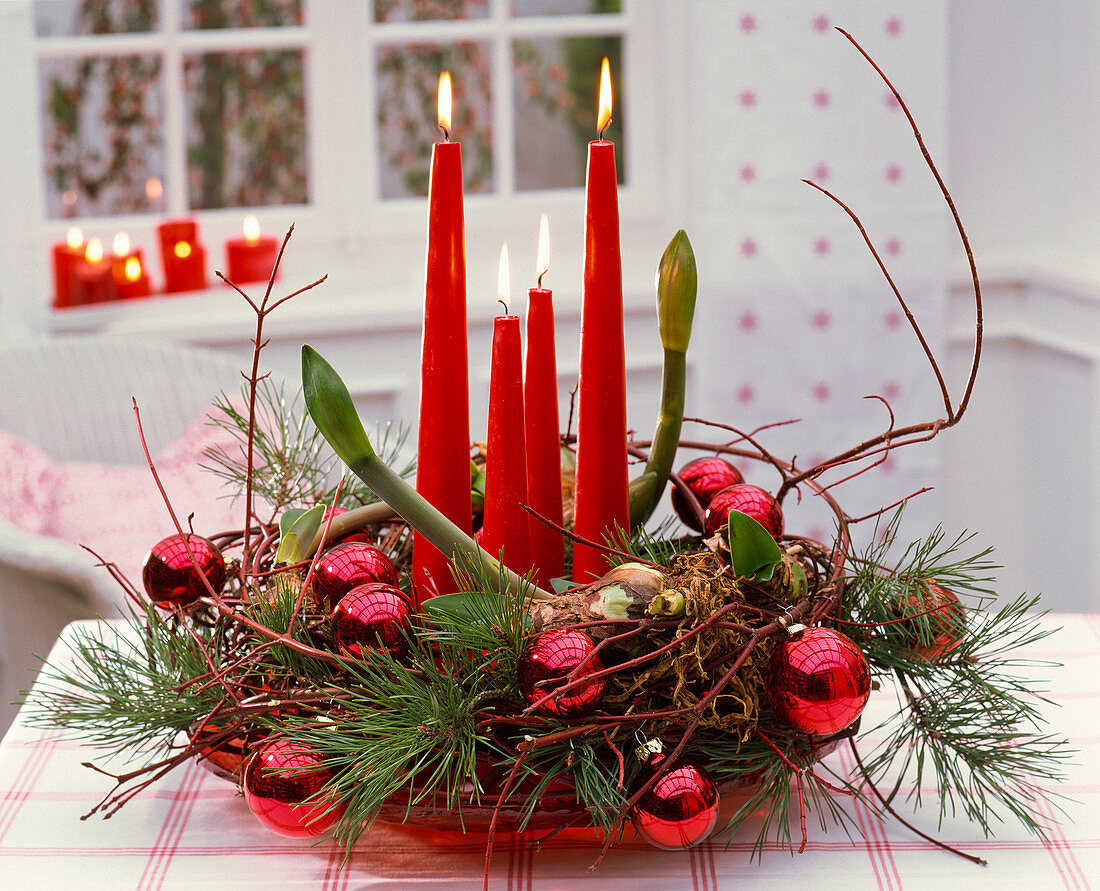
(443, 440)
(601, 501)
(540, 424)
(505, 527)
(66, 256)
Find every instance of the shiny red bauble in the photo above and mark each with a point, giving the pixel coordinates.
(550, 657)
(750, 500)
(679, 810)
(222, 758)
(936, 633)
(374, 616)
(706, 477)
(170, 577)
(281, 783)
(341, 568)
(818, 681)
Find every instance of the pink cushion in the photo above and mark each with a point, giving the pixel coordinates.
(117, 510)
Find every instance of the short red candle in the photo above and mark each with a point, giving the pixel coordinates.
(443, 438)
(93, 283)
(133, 281)
(542, 433)
(601, 501)
(506, 522)
(66, 256)
(183, 258)
(250, 257)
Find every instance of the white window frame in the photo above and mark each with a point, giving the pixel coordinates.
(347, 228)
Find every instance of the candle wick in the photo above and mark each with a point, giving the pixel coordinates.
(541, 274)
(603, 129)
(502, 303)
(446, 133)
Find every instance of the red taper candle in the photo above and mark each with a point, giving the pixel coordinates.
(443, 440)
(601, 500)
(505, 529)
(540, 424)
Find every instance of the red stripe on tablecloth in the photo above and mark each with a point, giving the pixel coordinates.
(26, 778)
(693, 864)
(171, 831)
(886, 874)
(711, 864)
(1060, 851)
(334, 875)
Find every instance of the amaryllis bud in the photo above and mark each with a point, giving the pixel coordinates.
(677, 285)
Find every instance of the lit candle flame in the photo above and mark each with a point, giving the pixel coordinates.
(132, 269)
(182, 250)
(121, 244)
(444, 106)
(93, 253)
(251, 228)
(542, 265)
(153, 188)
(503, 284)
(74, 238)
(604, 117)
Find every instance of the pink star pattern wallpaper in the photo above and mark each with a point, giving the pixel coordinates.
(796, 321)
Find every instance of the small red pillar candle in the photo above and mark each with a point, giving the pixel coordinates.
(66, 256)
(93, 280)
(540, 423)
(443, 438)
(134, 282)
(183, 258)
(128, 269)
(251, 257)
(601, 501)
(505, 530)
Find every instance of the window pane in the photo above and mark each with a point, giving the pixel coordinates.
(101, 123)
(211, 14)
(429, 10)
(408, 82)
(246, 138)
(557, 85)
(64, 18)
(565, 7)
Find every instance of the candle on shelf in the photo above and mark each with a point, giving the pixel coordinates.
(251, 257)
(66, 256)
(601, 501)
(134, 281)
(93, 280)
(127, 267)
(540, 423)
(183, 258)
(505, 530)
(443, 437)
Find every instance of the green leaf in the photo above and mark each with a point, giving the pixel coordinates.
(329, 404)
(562, 585)
(460, 605)
(288, 519)
(290, 551)
(753, 551)
(303, 528)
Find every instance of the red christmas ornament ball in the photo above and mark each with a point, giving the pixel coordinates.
(280, 785)
(362, 535)
(344, 566)
(373, 616)
(171, 579)
(680, 809)
(818, 681)
(944, 624)
(550, 657)
(750, 500)
(706, 477)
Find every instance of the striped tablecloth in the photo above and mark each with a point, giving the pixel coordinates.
(194, 830)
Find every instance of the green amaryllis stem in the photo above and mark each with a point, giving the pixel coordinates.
(677, 287)
(329, 404)
(356, 518)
